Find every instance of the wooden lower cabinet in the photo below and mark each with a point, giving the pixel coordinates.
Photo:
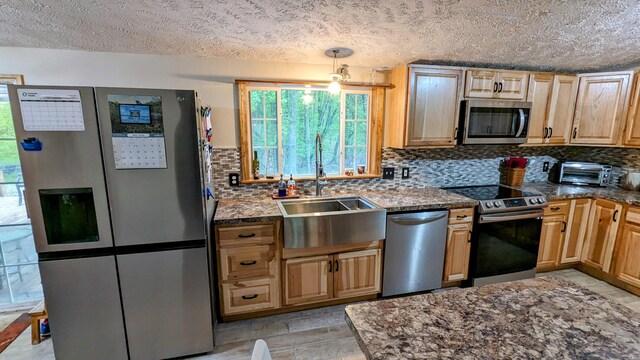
(576, 231)
(308, 279)
(604, 220)
(357, 273)
(343, 275)
(551, 238)
(250, 295)
(628, 260)
(458, 250)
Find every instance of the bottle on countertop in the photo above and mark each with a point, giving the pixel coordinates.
(291, 185)
(256, 166)
(282, 187)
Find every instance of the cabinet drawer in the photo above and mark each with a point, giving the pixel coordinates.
(633, 215)
(247, 261)
(557, 207)
(459, 216)
(246, 235)
(249, 296)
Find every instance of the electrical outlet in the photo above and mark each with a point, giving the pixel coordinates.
(405, 172)
(234, 179)
(545, 166)
(387, 173)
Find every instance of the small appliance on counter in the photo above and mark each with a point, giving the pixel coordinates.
(581, 173)
(506, 233)
(630, 180)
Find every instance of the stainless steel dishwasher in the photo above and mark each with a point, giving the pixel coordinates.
(414, 252)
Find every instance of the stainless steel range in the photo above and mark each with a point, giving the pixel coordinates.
(506, 233)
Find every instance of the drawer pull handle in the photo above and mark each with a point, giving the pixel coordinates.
(247, 235)
(460, 217)
(554, 208)
(249, 297)
(247, 263)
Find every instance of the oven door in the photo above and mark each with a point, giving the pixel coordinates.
(505, 243)
(496, 122)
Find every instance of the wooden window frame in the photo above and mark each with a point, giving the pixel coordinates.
(374, 139)
(14, 79)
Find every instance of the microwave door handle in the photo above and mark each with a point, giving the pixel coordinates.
(522, 120)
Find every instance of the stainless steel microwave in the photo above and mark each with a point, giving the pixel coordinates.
(581, 173)
(496, 122)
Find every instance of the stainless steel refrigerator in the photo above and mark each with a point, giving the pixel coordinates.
(117, 185)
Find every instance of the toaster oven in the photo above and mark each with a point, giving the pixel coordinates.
(581, 173)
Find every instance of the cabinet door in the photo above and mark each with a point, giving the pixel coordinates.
(576, 231)
(357, 273)
(600, 108)
(539, 94)
(481, 84)
(308, 279)
(553, 229)
(433, 106)
(629, 255)
(632, 132)
(512, 85)
(604, 219)
(456, 260)
(561, 108)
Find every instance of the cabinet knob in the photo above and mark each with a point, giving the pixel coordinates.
(575, 132)
(500, 87)
(495, 87)
(550, 132)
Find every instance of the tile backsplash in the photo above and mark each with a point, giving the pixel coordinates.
(458, 166)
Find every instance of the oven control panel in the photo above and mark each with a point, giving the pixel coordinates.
(513, 204)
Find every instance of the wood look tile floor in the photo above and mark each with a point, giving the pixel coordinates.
(310, 334)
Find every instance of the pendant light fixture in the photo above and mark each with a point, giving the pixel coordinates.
(339, 74)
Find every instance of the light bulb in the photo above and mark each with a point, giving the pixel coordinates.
(334, 87)
(307, 99)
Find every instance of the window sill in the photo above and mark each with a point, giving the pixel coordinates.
(337, 177)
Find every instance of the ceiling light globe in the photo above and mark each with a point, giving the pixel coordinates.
(334, 87)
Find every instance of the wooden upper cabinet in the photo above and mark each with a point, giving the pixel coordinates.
(604, 220)
(357, 273)
(632, 130)
(424, 106)
(481, 84)
(308, 279)
(628, 258)
(495, 84)
(576, 231)
(561, 108)
(600, 108)
(539, 94)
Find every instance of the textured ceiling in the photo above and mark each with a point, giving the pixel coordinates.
(545, 34)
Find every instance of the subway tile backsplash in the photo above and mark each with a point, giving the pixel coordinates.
(459, 166)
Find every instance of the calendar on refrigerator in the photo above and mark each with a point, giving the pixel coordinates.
(137, 132)
(51, 110)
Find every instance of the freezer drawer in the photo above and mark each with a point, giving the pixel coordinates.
(167, 304)
(84, 311)
(414, 252)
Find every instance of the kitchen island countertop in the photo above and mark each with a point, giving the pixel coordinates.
(537, 318)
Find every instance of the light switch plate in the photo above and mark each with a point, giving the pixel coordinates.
(405, 172)
(545, 166)
(387, 173)
(234, 179)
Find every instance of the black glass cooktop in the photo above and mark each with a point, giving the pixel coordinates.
(488, 192)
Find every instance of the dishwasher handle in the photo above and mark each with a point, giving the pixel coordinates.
(417, 219)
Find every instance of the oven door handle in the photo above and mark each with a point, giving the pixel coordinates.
(521, 126)
(531, 214)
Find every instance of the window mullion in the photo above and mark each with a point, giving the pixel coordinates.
(279, 126)
(343, 139)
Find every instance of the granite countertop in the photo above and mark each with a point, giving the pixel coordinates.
(559, 192)
(545, 317)
(237, 210)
